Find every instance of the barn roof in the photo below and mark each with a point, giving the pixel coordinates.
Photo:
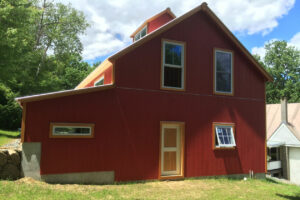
(203, 8)
(274, 118)
(110, 61)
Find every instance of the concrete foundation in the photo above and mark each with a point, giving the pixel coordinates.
(106, 177)
(31, 157)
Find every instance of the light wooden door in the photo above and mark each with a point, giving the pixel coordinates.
(171, 149)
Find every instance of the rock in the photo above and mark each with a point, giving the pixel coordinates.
(10, 172)
(3, 158)
(14, 157)
(5, 151)
(20, 153)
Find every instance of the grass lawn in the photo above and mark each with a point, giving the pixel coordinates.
(186, 189)
(8, 136)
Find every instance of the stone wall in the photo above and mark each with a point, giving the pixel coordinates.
(10, 164)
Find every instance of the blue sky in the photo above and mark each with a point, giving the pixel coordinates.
(288, 26)
(254, 22)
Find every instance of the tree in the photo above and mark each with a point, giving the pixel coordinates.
(283, 63)
(40, 51)
(40, 46)
(10, 111)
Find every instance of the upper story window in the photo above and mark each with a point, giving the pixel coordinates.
(173, 71)
(140, 34)
(223, 135)
(223, 72)
(100, 81)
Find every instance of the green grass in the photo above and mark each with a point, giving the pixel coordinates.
(8, 136)
(184, 189)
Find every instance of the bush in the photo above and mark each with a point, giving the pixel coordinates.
(10, 111)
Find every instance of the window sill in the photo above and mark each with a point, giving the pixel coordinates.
(172, 89)
(224, 93)
(224, 148)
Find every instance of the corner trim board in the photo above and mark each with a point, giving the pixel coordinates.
(23, 124)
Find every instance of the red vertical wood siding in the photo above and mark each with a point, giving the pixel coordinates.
(127, 118)
(158, 22)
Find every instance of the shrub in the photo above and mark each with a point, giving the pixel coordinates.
(10, 111)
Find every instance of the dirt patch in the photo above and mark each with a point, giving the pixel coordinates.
(85, 189)
(28, 180)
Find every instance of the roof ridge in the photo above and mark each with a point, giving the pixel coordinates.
(177, 20)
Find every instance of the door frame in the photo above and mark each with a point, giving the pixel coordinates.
(182, 141)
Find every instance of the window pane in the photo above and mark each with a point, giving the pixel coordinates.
(137, 36)
(101, 82)
(172, 77)
(223, 62)
(143, 32)
(71, 130)
(173, 54)
(225, 136)
(223, 71)
(223, 82)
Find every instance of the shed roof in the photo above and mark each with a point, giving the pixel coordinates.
(274, 118)
(64, 93)
(167, 10)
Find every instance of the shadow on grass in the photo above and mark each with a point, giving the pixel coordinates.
(272, 181)
(10, 136)
(296, 197)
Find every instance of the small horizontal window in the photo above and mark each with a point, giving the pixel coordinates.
(224, 135)
(71, 130)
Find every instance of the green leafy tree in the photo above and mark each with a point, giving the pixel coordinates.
(40, 50)
(10, 111)
(40, 46)
(283, 63)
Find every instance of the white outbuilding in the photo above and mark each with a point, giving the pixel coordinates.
(283, 140)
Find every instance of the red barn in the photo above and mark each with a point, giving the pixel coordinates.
(186, 99)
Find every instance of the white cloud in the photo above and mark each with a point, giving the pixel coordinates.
(113, 21)
(259, 51)
(295, 41)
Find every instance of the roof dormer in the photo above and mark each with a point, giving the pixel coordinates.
(152, 24)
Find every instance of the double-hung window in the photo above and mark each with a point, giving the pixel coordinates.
(224, 135)
(173, 65)
(223, 76)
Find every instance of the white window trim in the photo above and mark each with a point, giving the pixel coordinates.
(53, 126)
(100, 79)
(140, 32)
(215, 72)
(173, 66)
(217, 136)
